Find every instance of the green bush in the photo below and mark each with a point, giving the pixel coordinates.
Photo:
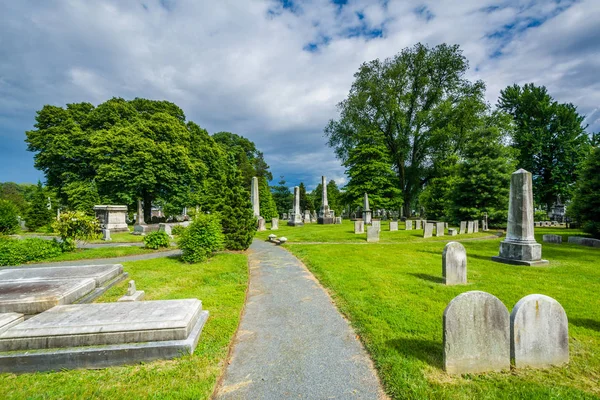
(15, 252)
(540, 215)
(75, 225)
(177, 230)
(8, 217)
(155, 240)
(203, 237)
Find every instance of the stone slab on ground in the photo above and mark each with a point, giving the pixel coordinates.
(104, 323)
(584, 241)
(8, 320)
(552, 239)
(100, 273)
(95, 357)
(292, 342)
(34, 296)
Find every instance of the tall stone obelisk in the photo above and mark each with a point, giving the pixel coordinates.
(296, 217)
(366, 211)
(325, 216)
(520, 247)
(254, 197)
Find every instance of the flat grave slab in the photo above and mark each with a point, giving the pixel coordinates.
(8, 320)
(34, 296)
(104, 324)
(101, 273)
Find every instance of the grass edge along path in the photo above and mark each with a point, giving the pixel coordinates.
(394, 298)
(220, 283)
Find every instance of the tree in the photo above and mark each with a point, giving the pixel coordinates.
(282, 196)
(369, 170)
(82, 196)
(38, 213)
(15, 194)
(417, 104)
(586, 203)
(9, 223)
(550, 138)
(436, 199)
(306, 203)
(268, 208)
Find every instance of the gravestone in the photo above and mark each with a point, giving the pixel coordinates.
(367, 214)
(552, 239)
(307, 217)
(476, 334)
(325, 215)
(520, 247)
(418, 224)
(428, 229)
(132, 293)
(284, 216)
(140, 227)
(295, 216)
(359, 227)
(262, 226)
(106, 235)
(463, 227)
(454, 264)
(372, 234)
(539, 332)
(452, 232)
(470, 226)
(113, 218)
(476, 226)
(338, 220)
(583, 241)
(439, 229)
(409, 225)
(393, 226)
(254, 197)
(166, 228)
(484, 225)
(376, 223)
(274, 224)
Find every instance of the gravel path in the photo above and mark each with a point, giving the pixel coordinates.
(292, 341)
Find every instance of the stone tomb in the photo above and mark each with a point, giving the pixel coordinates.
(359, 227)
(539, 332)
(102, 335)
(31, 290)
(393, 226)
(476, 334)
(113, 218)
(454, 264)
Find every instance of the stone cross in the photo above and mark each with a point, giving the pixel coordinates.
(254, 197)
(539, 332)
(520, 246)
(454, 264)
(476, 334)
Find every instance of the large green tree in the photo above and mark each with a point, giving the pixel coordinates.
(550, 138)
(417, 104)
(268, 208)
(282, 196)
(586, 203)
(306, 203)
(38, 212)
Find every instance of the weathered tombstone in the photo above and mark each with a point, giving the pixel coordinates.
(552, 239)
(132, 293)
(284, 216)
(452, 232)
(428, 230)
(338, 220)
(140, 226)
(376, 223)
(470, 226)
(106, 234)
(439, 229)
(463, 227)
(367, 215)
(359, 227)
(306, 217)
(295, 216)
(372, 234)
(409, 225)
(484, 225)
(262, 226)
(539, 332)
(454, 264)
(476, 334)
(418, 224)
(583, 241)
(113, 218)
(325, 214)
(476, 226)
(166, 228)
(274, 224)
(393, 226)
(520, 247)
(254, 197)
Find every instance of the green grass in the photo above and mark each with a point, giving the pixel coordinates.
(221, 285)
(344, 233)
(121, 237)
(108, 252)
(393, 296)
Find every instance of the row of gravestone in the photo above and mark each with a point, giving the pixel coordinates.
(373, 229)
(481, 336)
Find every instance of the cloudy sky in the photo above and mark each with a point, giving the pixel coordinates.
(273, 70)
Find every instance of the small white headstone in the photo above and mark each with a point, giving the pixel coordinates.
(454, 264)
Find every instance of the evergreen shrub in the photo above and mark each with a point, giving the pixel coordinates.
(203, 237)
(8, 217)
(15, 252)
(156, 240)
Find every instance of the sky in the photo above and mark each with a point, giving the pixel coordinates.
(273, 70)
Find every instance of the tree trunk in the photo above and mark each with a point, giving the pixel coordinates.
(147, 198)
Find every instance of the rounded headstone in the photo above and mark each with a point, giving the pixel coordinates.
(454, 264)
(476, 334)
(539, 332)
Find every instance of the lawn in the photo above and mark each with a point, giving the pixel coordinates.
(107, 252)
(344, 233)
(221, 285)
(393, 296)
(121, 237)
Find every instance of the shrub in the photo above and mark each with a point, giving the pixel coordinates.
(8, 217)
(202, 238)
(37, 214)
(75, 225)
(178, 230)
(15, 252)
(586, 204)
(155, 240)
(540, 215)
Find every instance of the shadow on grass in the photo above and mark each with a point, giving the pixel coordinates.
(425, 350)
(430, 278)
(586, 323)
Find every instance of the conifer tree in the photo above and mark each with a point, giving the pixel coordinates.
(586, 204)
(38, 214)
(305, 201)
(268, 209)
(282, 196)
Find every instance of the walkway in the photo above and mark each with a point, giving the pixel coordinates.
(292, 342)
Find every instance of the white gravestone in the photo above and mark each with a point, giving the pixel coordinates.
(359, 227)
(428, 230)
(454, 264)
(393, 226)
(274, 224)
(372, 234)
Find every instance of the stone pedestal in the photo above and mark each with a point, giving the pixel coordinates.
(367, 217)
(296, 216)
(113, 218)
(106, 235)
(520, 247)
